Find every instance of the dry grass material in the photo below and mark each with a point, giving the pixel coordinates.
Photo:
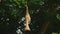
(27, 18)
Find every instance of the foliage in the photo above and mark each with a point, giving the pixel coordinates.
(58, 16)
(12, 11)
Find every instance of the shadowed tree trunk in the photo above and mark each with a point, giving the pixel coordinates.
(44, 27)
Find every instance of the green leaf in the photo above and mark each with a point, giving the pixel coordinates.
(23, 2)
(17, 1)
(11, 1)
(54, 33)
(58, 16)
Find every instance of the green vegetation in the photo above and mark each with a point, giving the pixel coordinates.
(41, 11)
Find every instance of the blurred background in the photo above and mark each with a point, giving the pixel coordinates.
(45, 16)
